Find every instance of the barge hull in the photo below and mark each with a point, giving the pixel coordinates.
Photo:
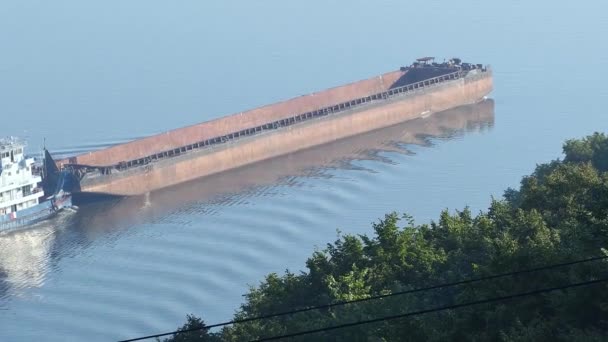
(169, 140)
(251, 149)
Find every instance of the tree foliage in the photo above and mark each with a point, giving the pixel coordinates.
(192, 331)
(559, 213)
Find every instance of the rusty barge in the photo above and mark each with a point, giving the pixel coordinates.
(184, 154)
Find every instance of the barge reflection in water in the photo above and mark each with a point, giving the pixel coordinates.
(247, 181)
(197, 243)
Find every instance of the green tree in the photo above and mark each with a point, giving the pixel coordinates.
(193, 331)
(559, 213)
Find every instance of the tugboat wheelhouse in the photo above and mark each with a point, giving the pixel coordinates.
(19, 186)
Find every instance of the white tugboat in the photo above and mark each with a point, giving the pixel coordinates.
(22, 200)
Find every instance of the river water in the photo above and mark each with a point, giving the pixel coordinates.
(85, 76)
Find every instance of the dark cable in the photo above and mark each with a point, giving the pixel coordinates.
(326, 306)
(437, 309)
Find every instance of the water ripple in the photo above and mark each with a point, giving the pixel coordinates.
(142, 263)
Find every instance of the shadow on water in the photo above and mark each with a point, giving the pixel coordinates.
(25, 256)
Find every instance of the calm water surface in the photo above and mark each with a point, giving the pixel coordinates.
(86, 76)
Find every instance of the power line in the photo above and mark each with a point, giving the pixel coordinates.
(341, 303)
(437, 309)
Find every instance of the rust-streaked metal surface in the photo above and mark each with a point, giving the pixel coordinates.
(235, 122)
(299, 163)
(248, 150)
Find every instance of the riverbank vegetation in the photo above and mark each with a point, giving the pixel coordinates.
(558, 214)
